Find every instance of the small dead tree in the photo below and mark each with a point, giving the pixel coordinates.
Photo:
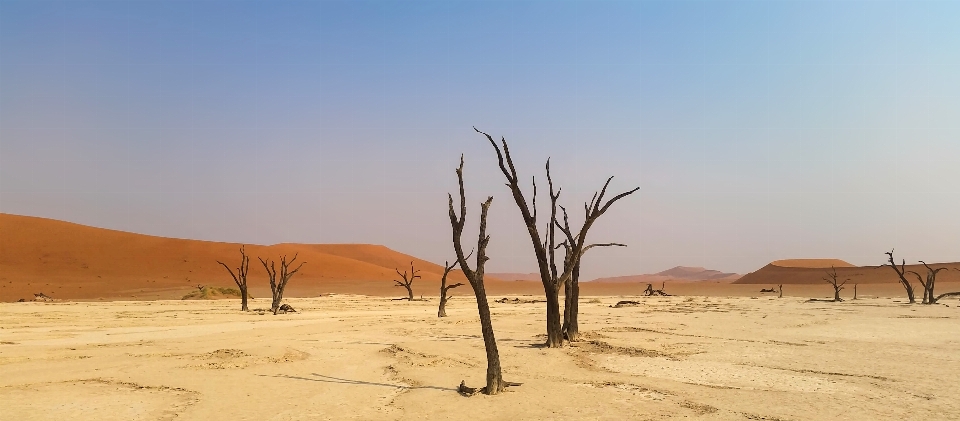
(277, 287)
(780, 290)
(854, 291)
(901, 273)
(495, 383)
(545, 248)
(444, 288)
(407, 282)
(831, 279)
(651, 292)
(240, 277)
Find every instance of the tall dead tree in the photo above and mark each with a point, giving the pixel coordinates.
(240, 278)
(831, 279)
(277, 286)
(495, 383)
(444, 288)
(901, 274)
(545, 248)
(407, 282)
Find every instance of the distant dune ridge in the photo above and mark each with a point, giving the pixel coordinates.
(67, 261)
(812, 271)
(72, 261)
(679, 273)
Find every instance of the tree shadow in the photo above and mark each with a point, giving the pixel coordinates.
(536, 345)
(330, 379)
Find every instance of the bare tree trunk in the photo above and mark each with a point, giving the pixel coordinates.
(442, 311)
(567, 297)
(240, 278)
(854, 291)
(494, 378)
(780, 289)
(495, 383)
(572, 307)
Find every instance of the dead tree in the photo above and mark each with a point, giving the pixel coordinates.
(650, 291)
(495, 382)
(240, 277)
(545, 248)
(407, 282)
(901, 274)
(780, 290)
(854, 291)
(929, 297)
(444, 288)
(571, 290)
(277, 287)
(831, 279)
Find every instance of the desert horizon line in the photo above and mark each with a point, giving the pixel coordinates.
(795, 262)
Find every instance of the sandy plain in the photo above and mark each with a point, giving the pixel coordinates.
(352, 357)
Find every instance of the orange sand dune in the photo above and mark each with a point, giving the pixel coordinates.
(807, 272)
(71, 261)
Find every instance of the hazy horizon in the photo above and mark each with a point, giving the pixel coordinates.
(757, 131)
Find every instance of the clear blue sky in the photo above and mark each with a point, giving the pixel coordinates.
(758, 130)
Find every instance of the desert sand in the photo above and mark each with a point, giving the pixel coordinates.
(373, 358)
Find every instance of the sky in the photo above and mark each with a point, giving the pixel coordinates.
(757, 130)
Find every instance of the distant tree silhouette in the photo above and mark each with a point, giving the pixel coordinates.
(240, 277)
(407, 281)
(277, 286)
(837, 285)
(444, 288)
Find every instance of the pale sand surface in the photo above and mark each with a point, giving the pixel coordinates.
(370, 358)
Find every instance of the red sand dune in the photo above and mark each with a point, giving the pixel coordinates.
(71, 261)
(75, 262)
(812, 271)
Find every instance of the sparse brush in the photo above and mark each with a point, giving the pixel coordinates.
(213, 293)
